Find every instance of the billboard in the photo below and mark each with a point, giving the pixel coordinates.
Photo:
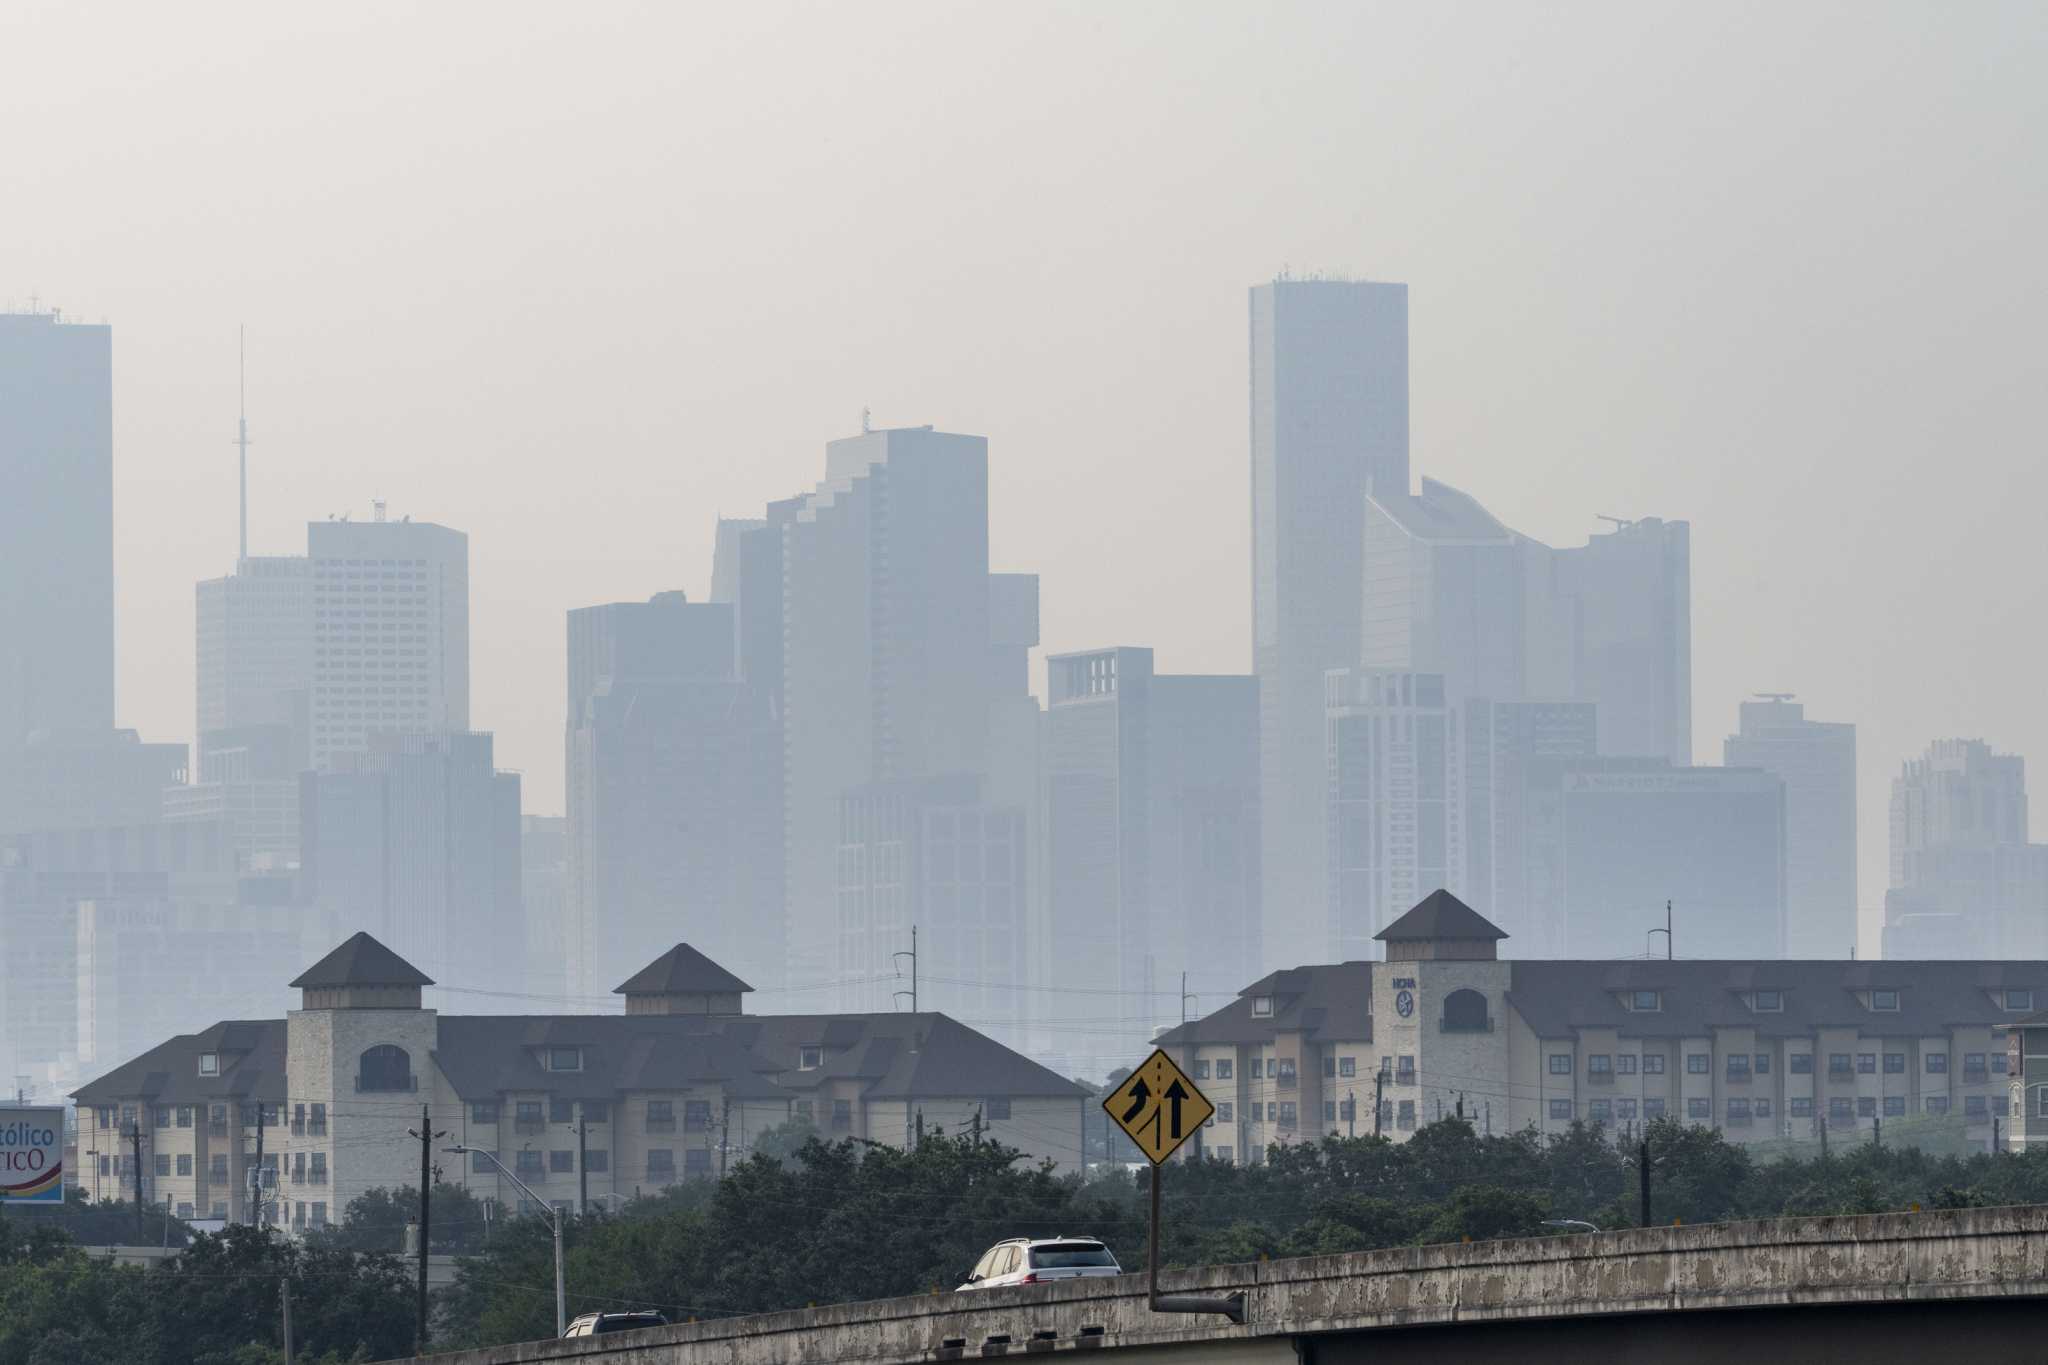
(31, 1155)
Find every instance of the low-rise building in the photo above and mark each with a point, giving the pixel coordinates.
(583, 1108)
(1757, 1049)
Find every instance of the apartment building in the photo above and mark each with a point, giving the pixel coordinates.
(1756, 1049)
(305, 1113)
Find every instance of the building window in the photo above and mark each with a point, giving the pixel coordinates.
(1738, 1066)
(1937, 1104)
(565, 1059)
(1653, 1063)
(1287, 1075)
(1255, 1068)
(1201, 1070)
(661, 1116)
(1894, 1063)
(661, 1163)
(561, 1111)
(216, 1166)
(1625, 1064)
(1763, 1109)
(184, 1116)
(561, 1161)
(696, 1116)
(1223, 1068)
(2019, 1000)
(209, 1064)
(1894, 1106)
(1600, 1111)
(1329, 1111)
(1738, 1113)
(1348, 1110)
(317, 1125)
(1866, 1106)
(480, 1164)
(1404, 1116)
(803, 1111)
(1272, 1112)
(163, 1163)
(483, 1113)
(384, 1068)
(1330, 1068)
(1653, 1108)
(162, 1115)
(1866, 1063)
(1289, 1115)
(1699, 1108)
(1559, 1109)
(1973, 1066)
(1223, 1113)
(1799, 1107)
(810, 1057)
(1404, 1070)
(1998, 1063)
(1838, 1109)
(319, 1214)
(1800, 1063)
(1973, 1107)
(1600, 1066)
(1763, 1063)
(184, 1163)
(526, 1117)
(1884, 1000)
(999, 1109)
(526, 1164)
(1769, 1002)
(697, 1162)
(1698, 1063)
(1560, 1063)
(1347, 1067)
(1937, 1063)
(842, 1115)
(1838, 1064)
(319, 1168)
(1645, 1000)
(1262, 1007)
(1624, 1109)
(1465, 1012)
(597, 1160)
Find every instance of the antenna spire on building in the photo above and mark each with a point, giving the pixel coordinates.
(242, 436)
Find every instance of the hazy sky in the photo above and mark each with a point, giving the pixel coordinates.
(576, 279)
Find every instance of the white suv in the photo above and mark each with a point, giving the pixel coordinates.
(1025, 1260)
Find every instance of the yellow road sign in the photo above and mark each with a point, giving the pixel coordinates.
(1158, 1106)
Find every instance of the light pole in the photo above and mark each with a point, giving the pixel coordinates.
(1570, 1224)
(554, 1216)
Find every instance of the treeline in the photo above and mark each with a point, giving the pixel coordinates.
(819, 1222)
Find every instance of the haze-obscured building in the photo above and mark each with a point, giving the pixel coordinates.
(85, 779)
(1816, 760)
(1965, 878)
(255, 659)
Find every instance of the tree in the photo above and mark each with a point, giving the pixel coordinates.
(376, 1220)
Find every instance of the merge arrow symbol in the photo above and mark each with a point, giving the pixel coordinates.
(1140, 1093)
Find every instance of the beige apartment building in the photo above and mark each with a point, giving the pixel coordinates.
(594, 1108)
(1759, 1050)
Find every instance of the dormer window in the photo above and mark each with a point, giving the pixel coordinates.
(1769, 1002)
(1647, 1002)
(209, 1064)
(810, 1057)
(1262, 1007)
(1884, 1000)
(565, 1059)
(2019, 1000)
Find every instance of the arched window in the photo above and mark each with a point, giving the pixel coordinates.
(1465, 1012)
(385, 1067)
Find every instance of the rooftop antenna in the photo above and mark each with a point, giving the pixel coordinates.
(377, 513)
(242, 433)
(1620, 523)
(864, 427)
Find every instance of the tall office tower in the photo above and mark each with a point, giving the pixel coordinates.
(85, 779)
(1966, 882)
(1816, 760)
(886, 658)
(674, 825)
(1329, 420)
(1152, 842)
(1624, 601)
(1609, 840)
(932, 853)
(1445, 592)
(255, 659)
(1507, 743)
(56, 526)
(390, 632)
(416, 840)
(1397, 805)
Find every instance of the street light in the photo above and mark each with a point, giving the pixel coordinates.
(554, 1216)
(1572, 1224)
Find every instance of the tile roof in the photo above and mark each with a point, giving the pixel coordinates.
(362, 961)
(251, 1068)
(1439, 915)
(682, 970)
(1329, 1002)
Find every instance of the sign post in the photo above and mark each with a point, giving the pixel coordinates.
(1159, 1107)
(31, 1155)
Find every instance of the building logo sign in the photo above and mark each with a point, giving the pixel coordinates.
(1404, 1003)
(31, 1156)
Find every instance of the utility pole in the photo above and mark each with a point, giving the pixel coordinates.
(1643, 1176)
(135, 1142)
(426, 1135)
(724, 1132)
(1994, 1135)
(1379, 1086)
(1877, 1131)
(582, 1164)
(1351, 1098)
(977, 1125)
(912, 955)
(284, 1290)
(1666, 931)
(256, 1176)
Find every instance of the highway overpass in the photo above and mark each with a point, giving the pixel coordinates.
(1889, 1287)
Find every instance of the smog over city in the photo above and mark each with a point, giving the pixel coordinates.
(647, 648)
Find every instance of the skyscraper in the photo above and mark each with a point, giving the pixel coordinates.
(674, 827)
(1965, 879)
(255, 657)
(1445, 592)
(1329, 421)
(1816, 760)
(886, 671)
(390, 629)
(56, 526)
(1624, 604)
(1152, 842)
